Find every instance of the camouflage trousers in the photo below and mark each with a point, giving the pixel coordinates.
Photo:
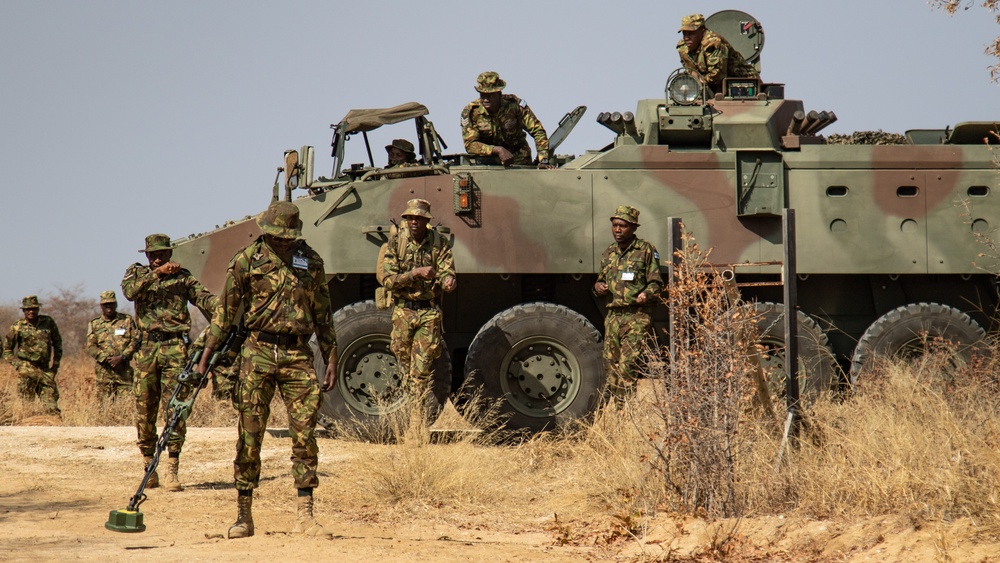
(37, 380)
(224, 380)
(158, 364)
(265, 367)
(112, 381)
(625, 334)
(416, 342)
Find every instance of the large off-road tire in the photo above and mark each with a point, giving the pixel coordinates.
(540, 364)
(817, 365)
(369, 385)
(907, 331)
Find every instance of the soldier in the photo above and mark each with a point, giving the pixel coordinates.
(416, 270)
(112, 340)
(630, 273)
(495, 124)
(280, 283)
(708, 54)
(161, 292)
(401, 155)
(34, 348)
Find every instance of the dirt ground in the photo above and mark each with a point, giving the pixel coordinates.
(59, 483)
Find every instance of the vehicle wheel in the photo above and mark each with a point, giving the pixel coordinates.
(540, 363)
(817, 367)
(368, 381)
(906, 332)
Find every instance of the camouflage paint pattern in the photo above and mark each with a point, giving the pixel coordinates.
(105, 339)
(481, 131)
(158, 365)
(715, 60)
(35, 352)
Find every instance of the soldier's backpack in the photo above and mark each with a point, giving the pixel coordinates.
(383, 297)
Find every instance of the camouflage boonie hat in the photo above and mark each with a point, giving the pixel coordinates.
(281, 219)
(418, 208)
(489, 82)
(627, 213)
(108, 297)
(30, 302)
(157, 242)
(694, 22)
(401, 144)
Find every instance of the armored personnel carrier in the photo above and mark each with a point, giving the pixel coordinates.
(888, 238)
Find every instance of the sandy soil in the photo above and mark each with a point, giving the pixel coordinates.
(59, 484)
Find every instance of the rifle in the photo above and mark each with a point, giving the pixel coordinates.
(130, 519)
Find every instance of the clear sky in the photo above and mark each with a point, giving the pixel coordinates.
(122, 118)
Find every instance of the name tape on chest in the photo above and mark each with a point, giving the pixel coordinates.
(300, 262)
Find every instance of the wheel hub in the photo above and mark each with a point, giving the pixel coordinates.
(540, 376)
(369, 378)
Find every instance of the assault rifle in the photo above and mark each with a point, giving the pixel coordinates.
(130, 519)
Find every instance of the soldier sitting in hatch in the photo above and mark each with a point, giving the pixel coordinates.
(401, 155)
(709, 55)
(495, 124)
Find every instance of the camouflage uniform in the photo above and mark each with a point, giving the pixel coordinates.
(284, 304)
(109, 338)
(481, 131)
(628, 324)
(161, 312)
(416, 317)
(715, 59)
(30, 347)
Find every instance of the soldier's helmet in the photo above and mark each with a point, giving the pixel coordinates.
(627, 213)
(489, 82)
(401, 144)
(281, 219)
(156, 242)
(417, 208)
(108, 297)
(694, 22)
(30, 302)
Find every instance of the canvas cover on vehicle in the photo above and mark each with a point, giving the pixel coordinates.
(358, 120)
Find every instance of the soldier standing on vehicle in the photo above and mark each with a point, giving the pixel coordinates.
(112, 340)
(709, 54)
(161, 292)
(279, 283)
(495, 124)
(416, 268)
(630, 274)
(34, 347)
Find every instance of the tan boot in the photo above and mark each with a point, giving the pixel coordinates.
(305, 523)
(243, 527)
(173, 483)
(154, 479)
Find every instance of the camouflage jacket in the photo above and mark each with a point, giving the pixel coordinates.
(481, 131)
(34, 342)
(631, 272)
(276, 296)
(161, 302)
(715, 60)
(117, 337)
(434, 250)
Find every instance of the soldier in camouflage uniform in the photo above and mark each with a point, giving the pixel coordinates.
(630, 274)
(401, 155)
(34, 347)
(710, 55)
(161, 292)
(416, 278)
(112, 340)
(280, 284)
(495, 124)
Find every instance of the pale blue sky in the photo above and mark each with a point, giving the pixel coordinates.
(124, 118)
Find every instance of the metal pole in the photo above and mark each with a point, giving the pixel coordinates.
(675, 244)
(788, 273)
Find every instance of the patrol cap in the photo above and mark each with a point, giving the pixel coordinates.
(418, 208)
(489, 82)
(156, 242)
(627, 213)
(30, 302)
(281, 219)
(401, 144)
(694, 22)
(108, 297)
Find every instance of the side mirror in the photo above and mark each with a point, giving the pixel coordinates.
(292, 171)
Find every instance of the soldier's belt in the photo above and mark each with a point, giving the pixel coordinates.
(281, 339)
(160, 336)
(415, 305)
(630, 309)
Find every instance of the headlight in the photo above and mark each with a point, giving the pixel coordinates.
(684, 89)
